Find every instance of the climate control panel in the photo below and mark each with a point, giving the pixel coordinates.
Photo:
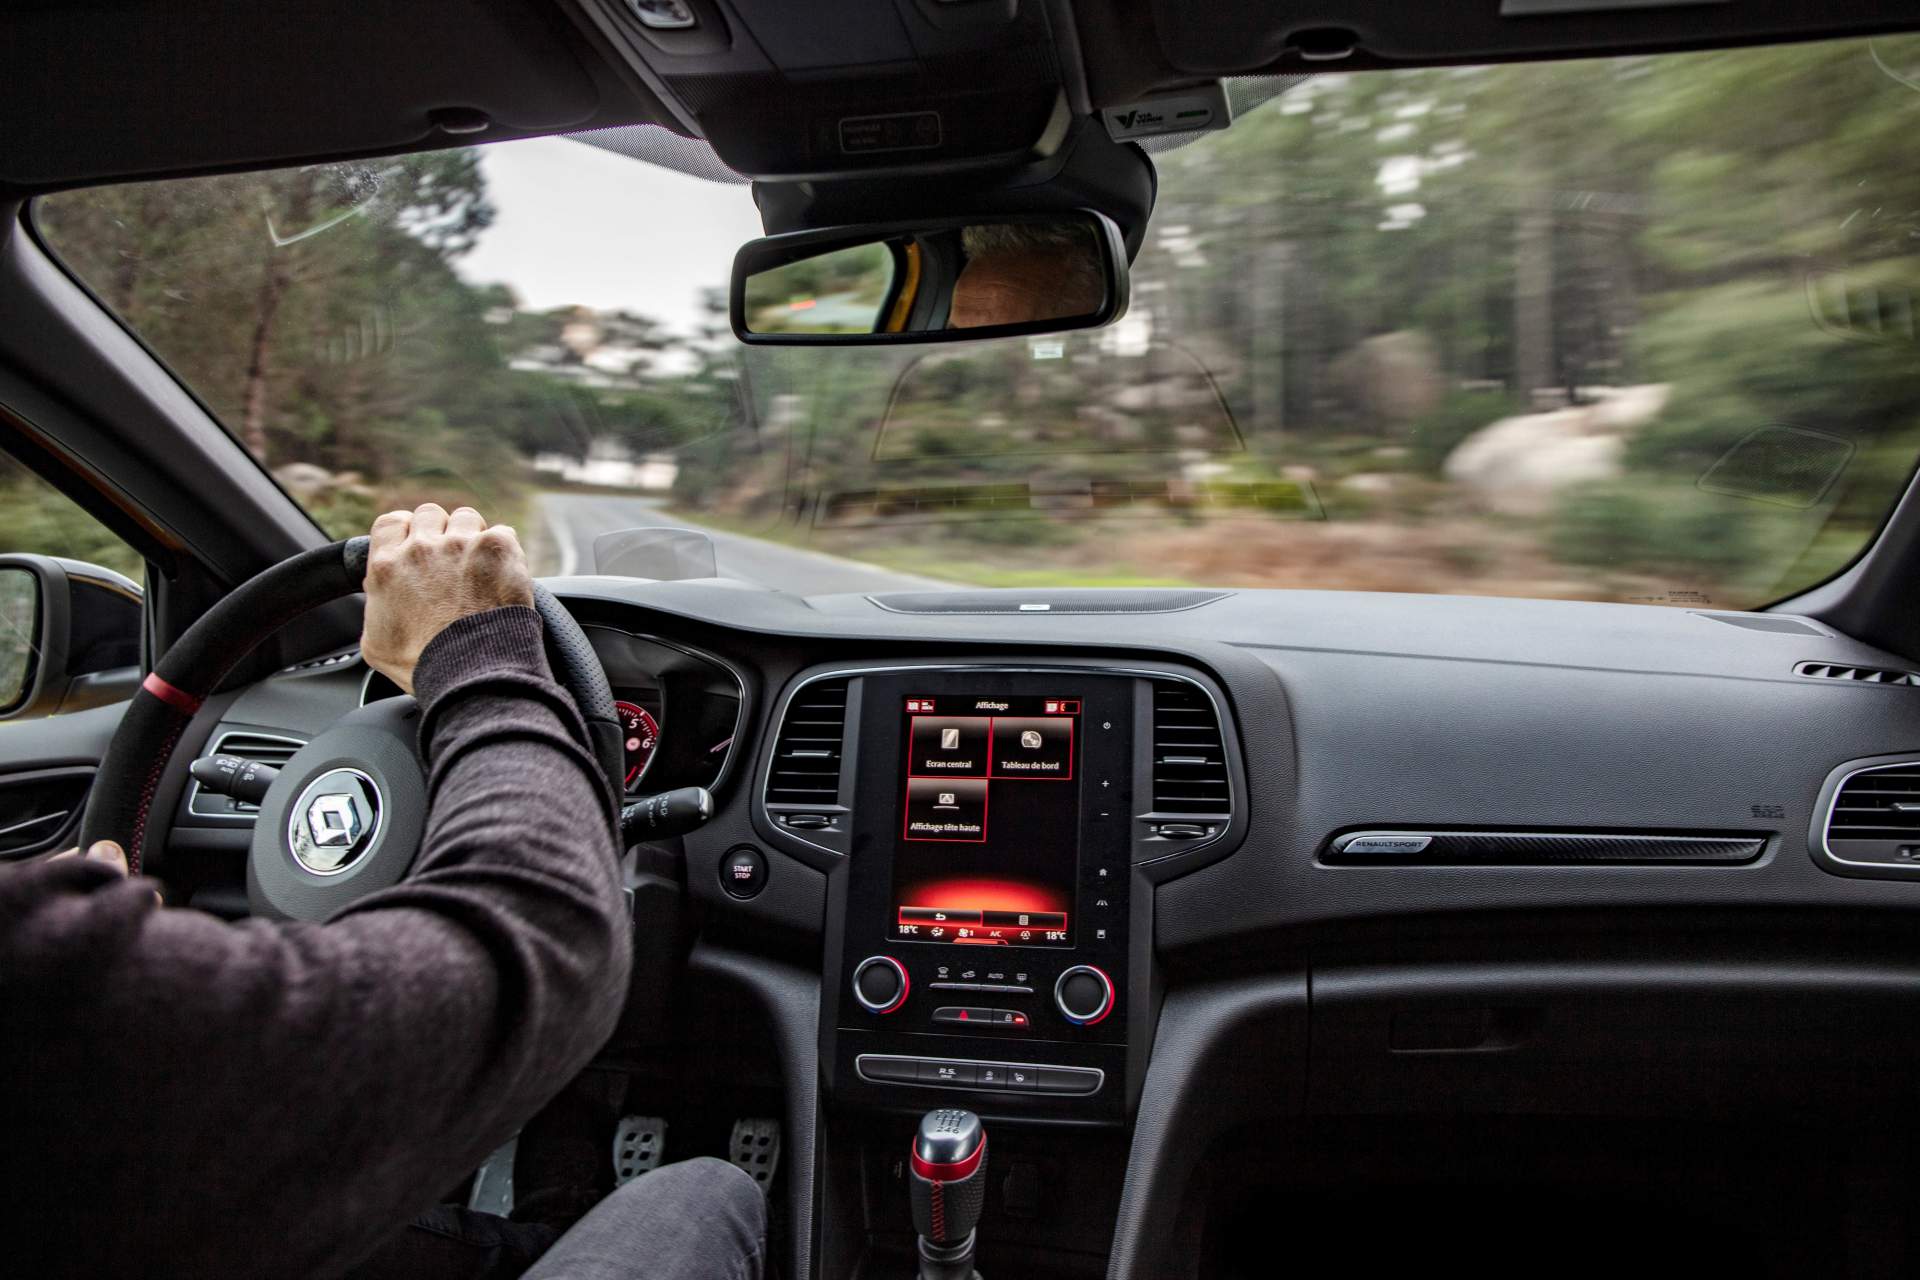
(1012, 999)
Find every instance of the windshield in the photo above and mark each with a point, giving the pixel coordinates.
(1637, 329)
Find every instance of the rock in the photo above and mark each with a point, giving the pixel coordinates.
(303, 480)
(1515, 466)
(1391, 378)
(1373, 483)
(1629, 408)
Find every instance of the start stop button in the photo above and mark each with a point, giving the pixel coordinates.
(743, 872)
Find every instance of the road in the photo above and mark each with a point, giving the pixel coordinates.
(573, 520)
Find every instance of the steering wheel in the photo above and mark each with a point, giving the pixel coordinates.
(346, 814)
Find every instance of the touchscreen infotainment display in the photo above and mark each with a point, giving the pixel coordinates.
(990, 819)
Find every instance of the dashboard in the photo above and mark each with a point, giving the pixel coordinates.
(655, 682)
(1154, 863)
(679, 708)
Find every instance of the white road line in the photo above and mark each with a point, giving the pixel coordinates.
(562, 534)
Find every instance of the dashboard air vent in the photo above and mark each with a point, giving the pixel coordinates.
(1875, 812)
(262, 748)
(1865, 675)
(806, 756)
(1189, 757)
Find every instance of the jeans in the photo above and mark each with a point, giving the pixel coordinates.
(699, 1219)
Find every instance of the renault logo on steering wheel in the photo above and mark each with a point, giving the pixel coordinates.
(334, 821)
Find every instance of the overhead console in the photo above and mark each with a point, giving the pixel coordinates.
(830, 90)
(991, 836)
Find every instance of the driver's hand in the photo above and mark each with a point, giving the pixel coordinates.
(101, 851)
(427, 570)
(107, 853)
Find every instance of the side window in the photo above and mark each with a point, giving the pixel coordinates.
(70, 602)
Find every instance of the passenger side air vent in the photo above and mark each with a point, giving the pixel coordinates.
(262, 748)
(1190, 773)
(1876, 814)
(1865, 675)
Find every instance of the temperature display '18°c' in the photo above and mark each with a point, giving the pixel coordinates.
(639, 734)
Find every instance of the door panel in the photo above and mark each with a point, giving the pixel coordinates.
(46, 768)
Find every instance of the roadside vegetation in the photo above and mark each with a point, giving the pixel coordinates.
(1638, 329)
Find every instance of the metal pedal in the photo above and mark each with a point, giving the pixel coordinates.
(493, 1181)
(755, 1147)
(638, 1143)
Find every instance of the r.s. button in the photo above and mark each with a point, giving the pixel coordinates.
(743, 872)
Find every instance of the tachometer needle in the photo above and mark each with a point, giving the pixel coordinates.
(721, 745)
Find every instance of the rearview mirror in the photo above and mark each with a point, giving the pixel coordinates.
(931, 281)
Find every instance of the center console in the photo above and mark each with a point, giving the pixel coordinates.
(984, 943)
(988, 917)
(990, 835)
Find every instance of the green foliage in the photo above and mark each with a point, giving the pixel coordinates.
(19, 622)
(1629, 526)
(35, 517)
(1455, 418)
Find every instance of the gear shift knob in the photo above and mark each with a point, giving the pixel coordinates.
(949, 1186)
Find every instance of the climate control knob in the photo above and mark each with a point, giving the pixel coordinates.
(880, 984)
(1084, 995)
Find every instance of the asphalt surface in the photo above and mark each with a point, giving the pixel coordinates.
(574, 520)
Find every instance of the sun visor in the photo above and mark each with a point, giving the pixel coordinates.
(1227, 37)
(100, 92)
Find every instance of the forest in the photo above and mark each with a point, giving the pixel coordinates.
(1635, 329)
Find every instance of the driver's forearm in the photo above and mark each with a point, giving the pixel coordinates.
(275, 1097)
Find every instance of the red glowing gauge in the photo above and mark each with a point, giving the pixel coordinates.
(640, 733)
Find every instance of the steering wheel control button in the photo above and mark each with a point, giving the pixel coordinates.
(880, 984)
(334, 821)
(743, 872)
(1069, 1080)
(236, 777)
(1084, 995)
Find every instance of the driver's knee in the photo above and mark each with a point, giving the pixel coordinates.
(705, 1188)
(700, 1219)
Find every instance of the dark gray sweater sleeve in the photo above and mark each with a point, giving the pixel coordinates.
(259, 1098)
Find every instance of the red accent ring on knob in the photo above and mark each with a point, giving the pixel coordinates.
(906, 983)
(953, 1171)
(1106, 1006)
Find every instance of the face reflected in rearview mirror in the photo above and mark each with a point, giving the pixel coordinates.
(931, 281)
(1016, 273)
